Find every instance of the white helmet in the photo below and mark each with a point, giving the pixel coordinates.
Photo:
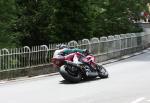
(62, 46)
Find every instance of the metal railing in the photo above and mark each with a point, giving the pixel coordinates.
(103, 48)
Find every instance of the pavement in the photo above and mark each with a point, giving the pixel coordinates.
(128, 82)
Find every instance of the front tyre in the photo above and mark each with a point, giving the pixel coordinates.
(68, 76)
(102, 72)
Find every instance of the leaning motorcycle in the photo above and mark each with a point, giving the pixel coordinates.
(75, 67)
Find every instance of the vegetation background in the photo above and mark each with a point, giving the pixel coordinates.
(36, 22)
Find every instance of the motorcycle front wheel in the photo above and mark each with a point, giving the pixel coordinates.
(67, 75)
(102, 72)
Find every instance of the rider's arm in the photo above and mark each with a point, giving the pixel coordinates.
(77, 50)
(68, 51)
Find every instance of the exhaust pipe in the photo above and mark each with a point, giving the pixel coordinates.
(91, 74)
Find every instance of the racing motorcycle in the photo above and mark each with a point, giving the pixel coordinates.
(75, 66)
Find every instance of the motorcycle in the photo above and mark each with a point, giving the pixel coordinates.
(75, 66)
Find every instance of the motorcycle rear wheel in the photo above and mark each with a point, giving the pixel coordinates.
(67, 76)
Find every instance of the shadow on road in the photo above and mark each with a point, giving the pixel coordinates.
(82, 81)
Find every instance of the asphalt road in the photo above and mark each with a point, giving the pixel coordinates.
(129, 82)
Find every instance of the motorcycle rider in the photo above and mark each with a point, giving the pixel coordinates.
(64, 50)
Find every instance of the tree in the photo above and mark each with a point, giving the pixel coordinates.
(34, 21)
(7, 17)
(47, 21)
(113, 16)
(72, 20)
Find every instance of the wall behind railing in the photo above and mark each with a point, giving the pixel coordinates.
(32, 61)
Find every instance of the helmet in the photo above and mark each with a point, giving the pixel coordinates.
(62, 46)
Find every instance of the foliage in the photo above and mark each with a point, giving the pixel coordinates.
(7, 17)
(44, 21)
(114, 16)
(37, 22)
(34, 21)
(72, 20)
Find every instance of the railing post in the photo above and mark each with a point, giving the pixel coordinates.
(45, 48)
(129, 45)
(86, 44)
(5, 60)
(73, 44)
(103, 48)
(95, 46)
(133, 42)
(117, 45)
(123, 44)
(29, 54)
(139, 41)
(111, 46)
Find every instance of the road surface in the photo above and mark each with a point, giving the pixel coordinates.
(129, 82)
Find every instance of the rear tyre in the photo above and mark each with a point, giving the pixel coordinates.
(68, 76)
(102, 72)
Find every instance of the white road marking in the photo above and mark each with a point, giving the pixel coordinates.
(138, 100)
